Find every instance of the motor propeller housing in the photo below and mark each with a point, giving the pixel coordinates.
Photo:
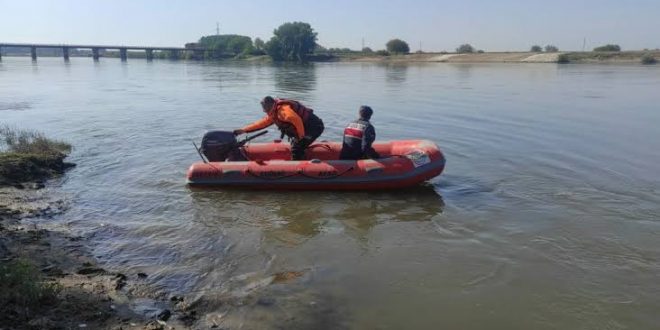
(218, 146)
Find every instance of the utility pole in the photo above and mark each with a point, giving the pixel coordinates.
(420, 46)
(584, 43)
(217, 28)
(362, 44)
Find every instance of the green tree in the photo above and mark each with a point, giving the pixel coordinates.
(291, 42)
(608, 48)
(226, 45)
(259, 44)
(551, 49)
(397, 46)
(367, 50)
(536, 49)
(465, 48)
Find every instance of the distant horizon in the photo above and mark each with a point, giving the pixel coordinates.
(505, 26)
(111, 48)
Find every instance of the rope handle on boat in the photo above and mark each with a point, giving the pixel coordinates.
(324, 145)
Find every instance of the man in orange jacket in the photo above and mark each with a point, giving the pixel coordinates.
(293, 119)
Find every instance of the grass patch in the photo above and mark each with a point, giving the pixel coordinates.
(30, 142)
(28, 155)
(23, 290)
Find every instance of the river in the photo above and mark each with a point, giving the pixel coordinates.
(547, 215)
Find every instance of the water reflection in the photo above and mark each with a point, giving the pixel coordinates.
(296, 79)
(395, 73)
(463, 70)
(292, 218)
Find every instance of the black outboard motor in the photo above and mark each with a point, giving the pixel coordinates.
(218, 146)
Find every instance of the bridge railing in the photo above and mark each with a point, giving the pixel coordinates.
(96, 49)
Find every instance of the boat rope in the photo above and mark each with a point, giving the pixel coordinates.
(320, 145)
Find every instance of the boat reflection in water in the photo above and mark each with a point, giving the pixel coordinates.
(291, 217)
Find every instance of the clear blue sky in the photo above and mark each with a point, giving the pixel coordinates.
(440, 25)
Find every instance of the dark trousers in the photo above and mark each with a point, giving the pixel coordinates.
(313, 129)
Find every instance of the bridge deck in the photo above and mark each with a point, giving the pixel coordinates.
(98, 46)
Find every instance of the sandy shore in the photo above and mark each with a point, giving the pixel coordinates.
(631, 57)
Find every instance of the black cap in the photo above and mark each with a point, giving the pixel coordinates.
(366, 112)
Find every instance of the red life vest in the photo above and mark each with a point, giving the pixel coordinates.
(354, 130)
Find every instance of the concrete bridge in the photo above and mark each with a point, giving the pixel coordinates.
(123, 50)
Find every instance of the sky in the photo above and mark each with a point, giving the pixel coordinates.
(496, 25)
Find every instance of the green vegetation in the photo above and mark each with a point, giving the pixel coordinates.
(291, 42)
(23, 289)
(226, 45)
(28, 155)
(259, 46)
(608, 48)
(367, 50)
(383, 52)
(465, 48)
(551, 49)
(341, 51)
(648, 59)
(30, 142)
(563, 59)
(397, 46)
(536, 49)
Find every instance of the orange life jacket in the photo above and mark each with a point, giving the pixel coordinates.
(302, 111)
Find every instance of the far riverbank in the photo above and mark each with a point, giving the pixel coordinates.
(626, 57)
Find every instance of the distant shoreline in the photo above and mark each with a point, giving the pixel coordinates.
(627, 57)
(623, 57)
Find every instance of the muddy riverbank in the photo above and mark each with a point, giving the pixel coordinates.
(50, 278)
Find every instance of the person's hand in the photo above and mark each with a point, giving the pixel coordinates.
(238, 131)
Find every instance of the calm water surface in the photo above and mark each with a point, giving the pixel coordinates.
(547, 216)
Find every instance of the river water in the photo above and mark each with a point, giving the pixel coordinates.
(547, 215)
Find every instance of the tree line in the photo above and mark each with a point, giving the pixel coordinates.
(296, 41)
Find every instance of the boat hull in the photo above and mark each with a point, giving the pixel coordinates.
(403, 164)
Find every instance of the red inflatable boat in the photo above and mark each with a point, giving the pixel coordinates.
(269, 166)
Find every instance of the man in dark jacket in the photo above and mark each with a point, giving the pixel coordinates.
(358, 137)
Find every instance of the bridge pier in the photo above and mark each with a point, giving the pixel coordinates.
(198, 54)
(191, 51)
(150, 54)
